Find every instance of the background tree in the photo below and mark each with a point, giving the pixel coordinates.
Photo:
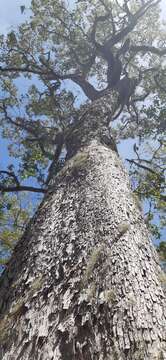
(101, 52)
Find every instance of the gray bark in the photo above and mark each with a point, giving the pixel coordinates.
(84, 281)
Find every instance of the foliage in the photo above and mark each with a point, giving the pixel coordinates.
(58, 59)
(15, 212)
(147, 171)
(162, 250)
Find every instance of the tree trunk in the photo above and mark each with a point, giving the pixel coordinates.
(84, 280)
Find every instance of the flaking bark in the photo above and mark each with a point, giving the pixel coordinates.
(84, 281)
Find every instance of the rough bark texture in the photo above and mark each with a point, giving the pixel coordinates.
(84, 281)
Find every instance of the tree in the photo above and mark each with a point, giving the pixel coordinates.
(84, 280)
(15, 212)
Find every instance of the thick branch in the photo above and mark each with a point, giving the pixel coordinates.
(126, 8)
(133, 22)
(25, 69)
(114, 63)
(147, 48)
(88, 89)
(17, 187)
(21, 188)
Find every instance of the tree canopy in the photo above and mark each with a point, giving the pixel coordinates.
(96, 47)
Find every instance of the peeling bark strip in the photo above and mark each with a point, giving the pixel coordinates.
(84, 281)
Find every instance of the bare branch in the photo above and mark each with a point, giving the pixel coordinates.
(131, 161)
(4, 189)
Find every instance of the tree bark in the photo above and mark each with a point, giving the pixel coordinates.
(84, 280)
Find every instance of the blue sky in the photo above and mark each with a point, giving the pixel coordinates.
(10, 13)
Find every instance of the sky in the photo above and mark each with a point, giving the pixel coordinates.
(10, 13)
(10, 16)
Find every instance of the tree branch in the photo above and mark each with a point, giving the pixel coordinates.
(131, 25)
(31, 130)
(98, 19)
(148, 48)
(131, 161)
(21, 188)
(11, 174)
(17, 187)
(88, 88)
(22, 70)
(59, 140)
(141, 97)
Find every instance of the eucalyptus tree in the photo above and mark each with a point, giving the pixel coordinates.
(84, 280)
